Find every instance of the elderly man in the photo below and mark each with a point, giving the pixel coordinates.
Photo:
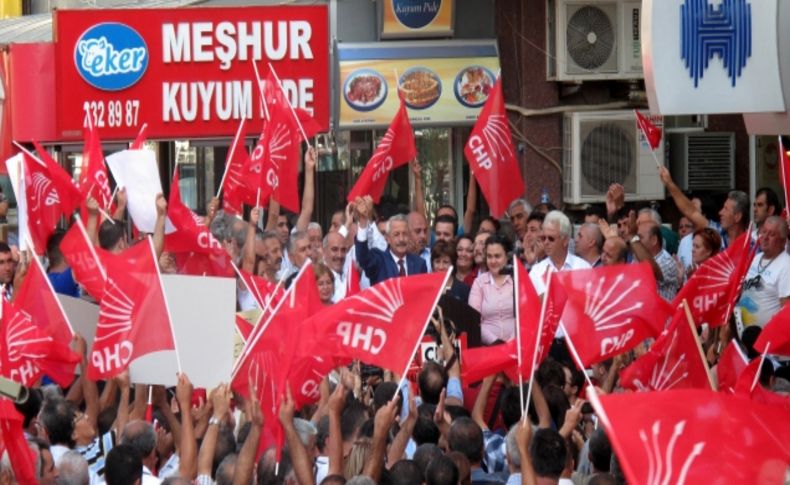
(141, 437)
(418, 232)
(297, 252)
(395, 261)
(589, 244)
(335, 251)
(556, 239)
(767, 284)
(316, 236)
(518, 213)
(647, 246)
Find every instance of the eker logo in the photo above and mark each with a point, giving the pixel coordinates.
(111, 56)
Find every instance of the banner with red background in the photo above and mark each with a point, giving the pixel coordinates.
(187, 73)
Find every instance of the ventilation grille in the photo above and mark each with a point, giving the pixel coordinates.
(703, 161)
(607, 156)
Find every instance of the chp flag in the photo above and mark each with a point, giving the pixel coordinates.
(395, 149)
(611, 309)
(492, 156)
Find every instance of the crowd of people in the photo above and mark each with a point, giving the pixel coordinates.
(440, 430)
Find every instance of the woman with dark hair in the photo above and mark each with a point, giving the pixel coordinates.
(492, 294)
(443, 256)
(489, 224)
(465, 269)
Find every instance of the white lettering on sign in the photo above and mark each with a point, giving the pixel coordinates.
(182, 101)
(24, 373)
(479, 150)
(100, 58)
(229, 41)
(370, 339)
(613, 344)
(299, 93)
(113, 357)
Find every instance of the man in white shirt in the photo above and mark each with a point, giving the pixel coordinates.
(141, 436)
(335, 251)
(556, 239)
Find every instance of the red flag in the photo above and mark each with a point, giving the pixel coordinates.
(491, 155)
(382, 325)
(395, 149)
(732, 363)
(652, 132)
(139, 141)
(695, 436)
(133, 316)
(37, 297)
(352, 281)
(714, 287)
(235, 190)
(281, 140)
(84, 259)
(482, 362)
(191, 233)
(94, 181)
(538, 321)
(244, 328)
(777, 333)
(266, 293)
(68, 193)
(30, 352)
(611, 309)
(22, 458)
(749, 387)
(43, 203)
(204, 264)
(674, 361)
(784, 166)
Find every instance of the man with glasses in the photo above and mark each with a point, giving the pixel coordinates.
(767, 284)
(556, 239)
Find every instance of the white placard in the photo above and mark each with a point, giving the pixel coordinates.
(14, 167)
(82, 315)
(203, 310)
(746, 35)
(137, 172)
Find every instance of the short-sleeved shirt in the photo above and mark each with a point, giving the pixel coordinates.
(668, 286)
(495, 304)
(766, 282)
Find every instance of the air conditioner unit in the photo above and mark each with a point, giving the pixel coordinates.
(594, 40)
(702, 161)
(606, 147)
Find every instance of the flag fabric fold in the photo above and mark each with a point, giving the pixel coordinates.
(491, 155)
(651, 132)
(732, 363)
(85, 260)
(777, 332)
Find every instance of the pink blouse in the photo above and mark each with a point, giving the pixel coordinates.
(495, 304)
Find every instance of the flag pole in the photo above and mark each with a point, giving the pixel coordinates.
(112, 197)
(30, 154)
(698, 344)
(167, 305)
(232, 151)
(575, 354)
(51, 289)
(260, 90)
(293, 112)
(518, 331)
(762, 359)
(427, 322)
(537, 340)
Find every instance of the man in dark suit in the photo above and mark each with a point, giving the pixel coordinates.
(395, 261)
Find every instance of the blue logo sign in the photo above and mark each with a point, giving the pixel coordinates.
(416, 14)
(111, 56)
(706, 32)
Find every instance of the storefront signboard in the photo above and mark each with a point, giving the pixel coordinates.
(417, 18)
(188, 72)
(442, 82)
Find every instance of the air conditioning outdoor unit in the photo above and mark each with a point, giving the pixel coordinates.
(702, 161)
(605, 147)
(594, 40)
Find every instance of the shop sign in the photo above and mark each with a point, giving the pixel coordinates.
(187, 73)
(712, 56)
(441, 82)
(417, 18)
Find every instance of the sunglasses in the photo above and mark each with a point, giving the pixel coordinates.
(548, 238)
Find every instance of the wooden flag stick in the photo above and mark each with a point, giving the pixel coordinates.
(293, 111)
(762, 359)
(693, 326)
